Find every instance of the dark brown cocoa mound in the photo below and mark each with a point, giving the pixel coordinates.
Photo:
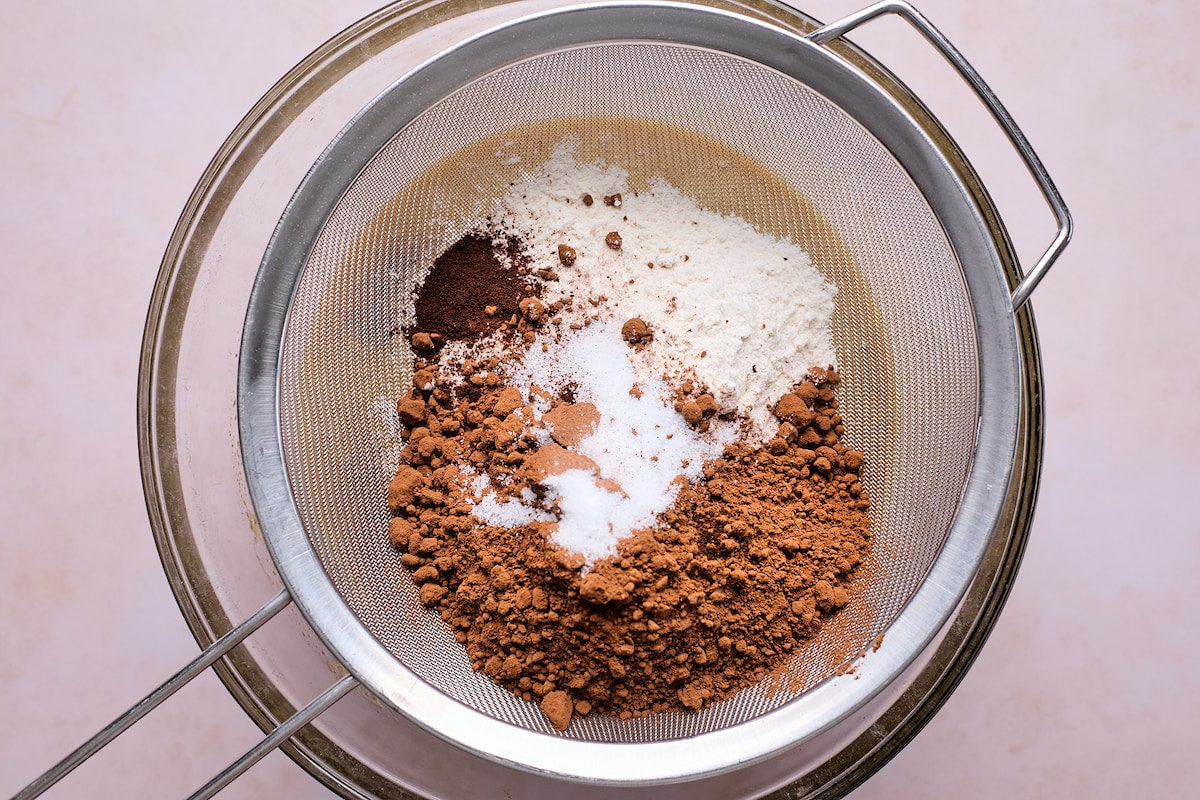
(473, 287)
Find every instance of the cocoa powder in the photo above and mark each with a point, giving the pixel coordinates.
(741, 570)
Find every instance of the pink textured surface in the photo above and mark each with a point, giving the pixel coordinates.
(1088, 687)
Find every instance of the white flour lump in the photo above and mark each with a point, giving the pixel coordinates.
(744, 313)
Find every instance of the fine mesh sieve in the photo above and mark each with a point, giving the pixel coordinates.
(741, 139)
(744, 119)
(794, 133)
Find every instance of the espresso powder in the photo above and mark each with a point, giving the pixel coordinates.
(473, 287)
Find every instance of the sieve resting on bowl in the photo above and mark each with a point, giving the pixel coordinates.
(751, 111)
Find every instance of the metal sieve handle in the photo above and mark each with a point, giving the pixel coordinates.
(180, 679)
(1001, 115)
(277, 737)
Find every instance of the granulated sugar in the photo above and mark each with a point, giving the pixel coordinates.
(639, 447)
(745, 311)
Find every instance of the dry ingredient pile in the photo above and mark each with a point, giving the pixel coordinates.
(623, 483)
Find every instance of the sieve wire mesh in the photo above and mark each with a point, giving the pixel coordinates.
(737, 137)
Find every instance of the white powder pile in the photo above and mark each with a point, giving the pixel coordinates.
(743, 312)
(640, 444)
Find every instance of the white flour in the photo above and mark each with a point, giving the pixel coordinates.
(742, 312)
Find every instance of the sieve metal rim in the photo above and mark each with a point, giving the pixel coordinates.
(819, 709)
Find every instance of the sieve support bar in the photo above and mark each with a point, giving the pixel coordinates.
(151, 701)
(968, 73)
(285, 731)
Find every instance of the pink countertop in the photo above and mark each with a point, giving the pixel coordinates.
(1089, 686)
